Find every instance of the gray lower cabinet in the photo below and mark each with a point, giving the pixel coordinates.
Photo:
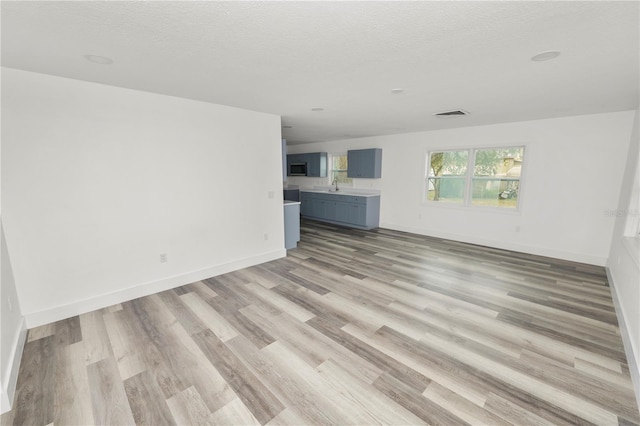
(349, 210)
(307, 208)
(291, 194)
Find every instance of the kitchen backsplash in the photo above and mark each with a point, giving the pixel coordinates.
(310, 182)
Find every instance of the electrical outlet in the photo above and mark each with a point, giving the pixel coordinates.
(517, 228)
(163, 258)
(270, 194)
(266, 236)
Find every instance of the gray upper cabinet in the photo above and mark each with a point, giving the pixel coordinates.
(316, 163)
(364, 163)
(295, 158)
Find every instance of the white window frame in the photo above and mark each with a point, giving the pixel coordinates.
(468, 177)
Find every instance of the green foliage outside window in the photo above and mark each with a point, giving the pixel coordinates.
(447, 170)
(491, 175)
(339, 169)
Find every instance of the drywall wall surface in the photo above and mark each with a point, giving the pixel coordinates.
(571, 178)
(12, 328)
(106, 190)
(624, 259)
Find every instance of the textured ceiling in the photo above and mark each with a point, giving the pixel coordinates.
(288, 57)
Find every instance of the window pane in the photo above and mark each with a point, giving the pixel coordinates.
(499, 162)
(495, 192)
(339, 162)
(446, 181)
(341, 176)
(448, 163)
(496, 179)
(339, 169)
(446, 189)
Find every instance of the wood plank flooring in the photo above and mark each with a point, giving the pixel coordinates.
(353, 327)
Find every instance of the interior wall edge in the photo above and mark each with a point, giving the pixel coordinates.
(13, 366)
(35, 319)
(523, 248)
(633, 359)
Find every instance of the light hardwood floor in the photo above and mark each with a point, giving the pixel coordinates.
(353, 327)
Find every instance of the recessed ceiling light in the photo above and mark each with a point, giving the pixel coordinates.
(317, 109)
(545, 56)
(397, 91)
(96, 59)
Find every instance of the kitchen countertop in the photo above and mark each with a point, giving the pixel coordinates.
(290, 203)
(343, 192)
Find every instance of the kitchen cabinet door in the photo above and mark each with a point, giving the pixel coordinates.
(317, 164)
(343, 212)
(364, 163)
(326, 210)
(358, 214)
(307, 206)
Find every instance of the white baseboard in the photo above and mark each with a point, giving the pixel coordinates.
(505, 245)
(13, 366)
(35, 319)
(633, 359)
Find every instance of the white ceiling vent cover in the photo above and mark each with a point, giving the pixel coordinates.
(453, 113)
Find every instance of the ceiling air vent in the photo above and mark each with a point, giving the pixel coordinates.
(447, 114)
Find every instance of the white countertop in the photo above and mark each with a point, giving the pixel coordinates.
(290, 203)
(346, 191)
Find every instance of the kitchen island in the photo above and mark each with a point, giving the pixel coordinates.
(291, 224)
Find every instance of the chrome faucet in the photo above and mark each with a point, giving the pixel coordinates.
(336, 182)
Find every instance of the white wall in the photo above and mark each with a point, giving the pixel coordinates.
(12, 329)
(572, 174)
(98, 181)
(624, 261)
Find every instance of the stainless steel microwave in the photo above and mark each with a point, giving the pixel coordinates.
(297, 169)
